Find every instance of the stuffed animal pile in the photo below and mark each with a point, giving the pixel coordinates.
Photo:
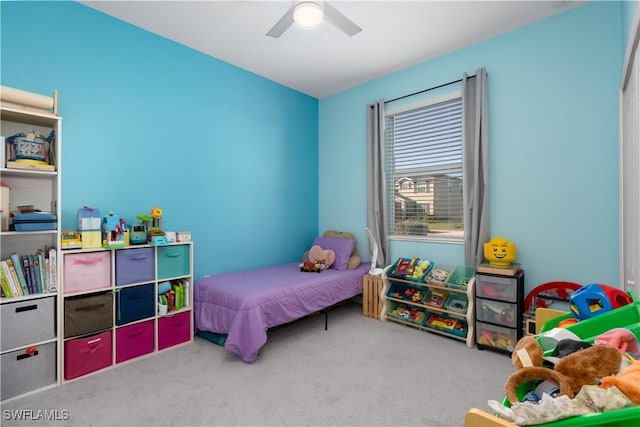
(319, 260)
(585, 366)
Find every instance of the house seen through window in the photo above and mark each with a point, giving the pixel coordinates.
(424, 169)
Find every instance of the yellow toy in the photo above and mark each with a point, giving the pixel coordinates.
(500, 251)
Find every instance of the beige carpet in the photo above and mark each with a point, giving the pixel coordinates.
(360, 372)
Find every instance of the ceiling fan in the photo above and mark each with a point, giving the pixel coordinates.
(309, 13)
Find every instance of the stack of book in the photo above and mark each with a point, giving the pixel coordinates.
(177, 297)
(29, 274)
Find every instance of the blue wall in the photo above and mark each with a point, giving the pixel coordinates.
(553, 126)
(228, 155)
(250, 166)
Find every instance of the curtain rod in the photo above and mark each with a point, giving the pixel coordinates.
(427, 90)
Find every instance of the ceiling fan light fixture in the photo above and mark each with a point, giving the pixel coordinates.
(308, 14)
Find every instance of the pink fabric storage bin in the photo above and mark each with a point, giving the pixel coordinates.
(134, 340)
(86, 355)
(173, 330)
(86, 271)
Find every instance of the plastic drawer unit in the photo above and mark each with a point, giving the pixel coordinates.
(173, 261)
(174, 329)
(87, 354)
(501, 288)
(134, 340)
(28, 369)
(27, 322)
(497, 336)
(87, 271)
(135, 266)
(499, 311)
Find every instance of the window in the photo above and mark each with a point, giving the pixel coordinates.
(424, 146)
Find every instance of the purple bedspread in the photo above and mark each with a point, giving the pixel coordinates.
(245, 304)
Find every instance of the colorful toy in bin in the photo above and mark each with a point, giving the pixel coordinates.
(413, 269)
(410, 314)
(437, 297)
(439, 275)
(499, 251)
(412, 294)
(448, 324)
(420, 269)
(594, 299)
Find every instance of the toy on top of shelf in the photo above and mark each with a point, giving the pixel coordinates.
(155, 234)
(594, 299)
(113, 230)
(137, 234)
(499, 251)
(90, 227)
(70, 240)
(156, 214)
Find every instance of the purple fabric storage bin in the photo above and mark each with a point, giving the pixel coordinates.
(85, 355)
(134, 341)
(174, 329)
(135, 266)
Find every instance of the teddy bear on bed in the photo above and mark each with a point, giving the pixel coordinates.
(318, 260)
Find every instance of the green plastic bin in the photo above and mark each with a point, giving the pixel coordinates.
(627, 316)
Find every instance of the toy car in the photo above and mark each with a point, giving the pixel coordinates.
(137, 234)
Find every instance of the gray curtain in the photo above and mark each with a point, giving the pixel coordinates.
(376, 186)
(475, 169)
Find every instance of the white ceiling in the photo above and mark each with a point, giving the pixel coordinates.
(323, 61)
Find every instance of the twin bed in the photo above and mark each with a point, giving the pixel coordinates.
(245, 304)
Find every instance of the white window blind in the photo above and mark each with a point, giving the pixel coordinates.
(424, 170)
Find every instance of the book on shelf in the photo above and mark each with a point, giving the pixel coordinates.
(30, 274)
(16, 290)
(186, 292)
(13, 271)
(42, 264)
(508, 270)
(53, 270)
(35, 273)
(15, 260)
(4, 284)
(26, 269)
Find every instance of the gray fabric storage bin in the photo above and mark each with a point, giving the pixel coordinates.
(23, 372)
(27, 322)
(88, 314)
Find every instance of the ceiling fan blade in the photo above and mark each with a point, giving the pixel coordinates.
(343, 23)
(282, 25)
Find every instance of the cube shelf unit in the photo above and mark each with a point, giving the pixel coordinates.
(440, 319)
(29, 331)
(110, 312)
